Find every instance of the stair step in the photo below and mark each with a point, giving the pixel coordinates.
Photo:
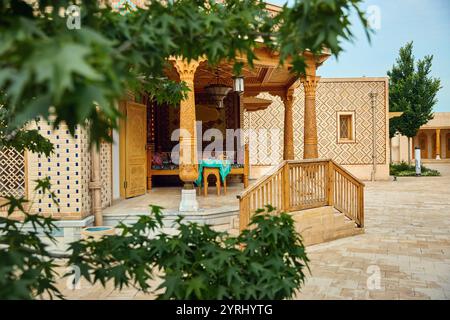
(318, 225)
(235, 222)
(324, 224)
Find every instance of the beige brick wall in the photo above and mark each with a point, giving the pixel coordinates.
(68, 169)
(333, 96)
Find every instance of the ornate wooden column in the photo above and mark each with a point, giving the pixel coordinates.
(310, 81)
(310, 150)
(438, 144)
(288, 149)
(188, 146)
(95, 186)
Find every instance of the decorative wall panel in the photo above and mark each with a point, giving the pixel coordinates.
(332, 96)
(168, 119)
(106, 173)
(67, 169)
(12, 173)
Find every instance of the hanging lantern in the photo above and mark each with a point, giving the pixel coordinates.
(217, 92)
(238, 84)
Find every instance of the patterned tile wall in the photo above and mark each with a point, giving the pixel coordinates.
(268, 126)
(67, 170)
(332, 96)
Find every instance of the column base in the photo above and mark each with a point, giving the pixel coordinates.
(438, 157)
(188, 201)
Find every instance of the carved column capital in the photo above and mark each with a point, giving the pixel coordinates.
(284, 94)
(186, 69)
(287, 98)
(310, 85)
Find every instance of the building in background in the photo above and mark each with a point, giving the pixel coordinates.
(433, 139)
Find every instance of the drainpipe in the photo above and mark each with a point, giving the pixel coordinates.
(95, 186)
(373, 98)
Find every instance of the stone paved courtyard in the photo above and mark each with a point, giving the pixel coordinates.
(407, 240)
(404, 253)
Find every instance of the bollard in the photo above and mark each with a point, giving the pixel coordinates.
(418, 162)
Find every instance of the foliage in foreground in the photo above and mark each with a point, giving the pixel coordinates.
(70, 75)
(266, 261)
(405, 170)
(27, 268)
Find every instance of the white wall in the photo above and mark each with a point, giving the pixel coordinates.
(399, 148)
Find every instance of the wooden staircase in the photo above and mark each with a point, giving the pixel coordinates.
(326, 201)
(324, 224)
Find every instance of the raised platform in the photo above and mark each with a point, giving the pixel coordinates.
(66, 231)
(221, 218)
(169, 198)
(434, 161)
(220, 211)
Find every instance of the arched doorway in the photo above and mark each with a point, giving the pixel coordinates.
(423, 145)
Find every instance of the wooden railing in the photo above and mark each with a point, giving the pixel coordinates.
(348, 194)
(298, 185)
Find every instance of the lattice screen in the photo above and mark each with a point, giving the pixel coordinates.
(106, 174)
(12, 173)
(85, 154)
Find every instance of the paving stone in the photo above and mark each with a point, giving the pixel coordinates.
(407, 236)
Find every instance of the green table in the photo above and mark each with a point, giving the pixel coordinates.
(224, 167)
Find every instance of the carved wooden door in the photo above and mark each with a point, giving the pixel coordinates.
(135, 154)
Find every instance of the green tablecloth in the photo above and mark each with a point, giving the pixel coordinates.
(223, 165)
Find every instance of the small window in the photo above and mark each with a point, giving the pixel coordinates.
(346, 126)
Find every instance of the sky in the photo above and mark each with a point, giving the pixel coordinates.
(425, 22)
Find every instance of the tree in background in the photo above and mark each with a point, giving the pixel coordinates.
(412, 91)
